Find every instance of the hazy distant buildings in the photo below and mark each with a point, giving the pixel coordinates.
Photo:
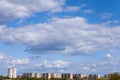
(31, 75)
(86, 76)
(80, 76)
(46, 76)
(56, 75)
(12, 72)
(94, 76)
(67, 76)
(37, 75)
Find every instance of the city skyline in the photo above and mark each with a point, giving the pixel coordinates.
(60, 36)
(12, 74)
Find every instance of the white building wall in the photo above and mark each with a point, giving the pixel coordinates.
(12, 73)
(71, 76)
(99, 76)
(58, 75)
(37, 75)
(49, 75)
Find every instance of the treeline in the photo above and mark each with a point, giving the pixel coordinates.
(113, 76)
(3, 77)
(6, 78)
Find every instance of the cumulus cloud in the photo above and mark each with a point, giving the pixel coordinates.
(12, 9)
(63, 35)
(56, 64)
(18, 61)
(8, 60)
(26, 64)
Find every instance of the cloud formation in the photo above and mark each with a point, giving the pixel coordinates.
(63, 35)
(108, 56)
(105, 15)
(13, 9)
(8, 61)
(56, 64)
(2, 56)
(72, 8)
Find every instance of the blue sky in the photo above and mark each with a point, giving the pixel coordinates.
(79, 36)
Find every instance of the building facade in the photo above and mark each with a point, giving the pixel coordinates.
(94, 77)
(67, 76)
(12, 72)
(46, 76)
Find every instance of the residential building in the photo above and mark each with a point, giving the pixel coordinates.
(37, 75)
(46, 76)
(67, 76)
(94, 76)
(28, 75)
(12, 72)
(56, 75)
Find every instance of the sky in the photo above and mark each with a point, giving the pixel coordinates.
(60, 36)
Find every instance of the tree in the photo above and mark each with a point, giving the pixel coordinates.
(115, 76)
(57, 79)
(102, 79)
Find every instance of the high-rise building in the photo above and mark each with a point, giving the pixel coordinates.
(12, 72)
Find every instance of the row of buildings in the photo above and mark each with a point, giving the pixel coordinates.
(47, 76)
(68, 76)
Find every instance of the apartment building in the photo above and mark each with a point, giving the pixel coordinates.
(12, 72)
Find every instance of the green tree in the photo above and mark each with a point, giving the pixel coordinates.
(57, 79)
(115, 76)
(102, 79)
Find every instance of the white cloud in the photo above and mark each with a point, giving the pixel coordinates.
(2, 56)
(83, 5)
(94, 65)
(105, 15)
(56, 64)
(111, 22)
(72, 8)
(18, 61)
(12, 9)
(86, 68)
(8, 60)
(93, 70)
(63, 35)
(108, 56)
(88, 11)
(46, 64)
(38, 64)
(61, 64)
